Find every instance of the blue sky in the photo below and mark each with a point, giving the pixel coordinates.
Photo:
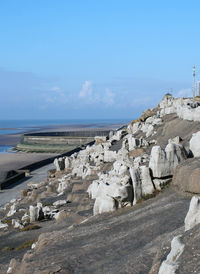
(94, 59)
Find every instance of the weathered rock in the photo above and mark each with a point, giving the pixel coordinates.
(158, 162)
(100, 139)
(63, 184)
(163, 162)
(36, 212)
(146, 182)
(171, 264)
(137, 189)
(104, 204)
(3, 225)
(110, 156)
(187, 174)
(59, 203)
(67, 163)
(59, 163)
(193, 216)
(12, 210)
(195, 144)
(160, 183)
(17, 224)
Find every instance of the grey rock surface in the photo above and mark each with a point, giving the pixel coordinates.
(122, 242)
(187, 174)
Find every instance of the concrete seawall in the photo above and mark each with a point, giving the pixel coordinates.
(21, 173)
(68, 142)
(58, 141)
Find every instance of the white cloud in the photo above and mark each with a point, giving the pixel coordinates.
(86, 90)
(55, 88)
(184, 92)
(90, 96)
(55, 96)
(109, 97)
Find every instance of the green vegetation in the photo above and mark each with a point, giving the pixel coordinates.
(26, 244)
(7, 248)
(44, 148)
(30, 227)
(6, 221)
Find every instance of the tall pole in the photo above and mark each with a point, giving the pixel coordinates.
(193, 81)
(199, 88)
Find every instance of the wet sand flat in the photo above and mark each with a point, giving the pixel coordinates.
(12, 161)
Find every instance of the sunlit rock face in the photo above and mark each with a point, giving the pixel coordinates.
(195, 144)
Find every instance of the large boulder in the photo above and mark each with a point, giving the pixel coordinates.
(193, 216)
(146, 182)
(104, 204)
(137, 188)
(110, 156)
(158, 162)
(187, 174)
(164, 161)
(171, 264)
(195, 144)
(59, 163)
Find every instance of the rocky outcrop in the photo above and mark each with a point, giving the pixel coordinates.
(115, 173)
(186, 176)
(164, 161)
(186, 109)
(171, 264)
(175, 259)
(193, 216)
(195, 144)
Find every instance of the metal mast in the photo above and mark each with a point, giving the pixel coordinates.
(199, 88)
(193, 81)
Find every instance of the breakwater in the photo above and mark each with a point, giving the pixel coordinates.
(64, 143)
(58, 141)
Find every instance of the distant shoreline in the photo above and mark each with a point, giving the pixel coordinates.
(13, 161)
(13, 137)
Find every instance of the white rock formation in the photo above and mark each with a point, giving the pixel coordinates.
(137, 188)
(170, 265)
(59, 203)
(63, 184)
(59, 163)
(3, 225)
(110, 156)
(17, 223)
(67, 162)
(163, 162)
(160, 183)
(32, 213)
(104, 204)
(193, 216)
(12, 210)
(195, 144)
(146, 182)
(36, 212)
(185, 109)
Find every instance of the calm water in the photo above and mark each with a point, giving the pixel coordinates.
(17, 126)
(20, 126)
(6, 149)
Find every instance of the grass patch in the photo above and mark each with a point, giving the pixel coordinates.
(48, 204)
(6, 221)
(26, 244)
(148, 196)
(30, 227)
(7, 248)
